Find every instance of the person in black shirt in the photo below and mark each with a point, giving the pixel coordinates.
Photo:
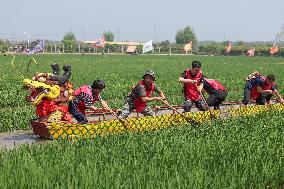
(216, 91)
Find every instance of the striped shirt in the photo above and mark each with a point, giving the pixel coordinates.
(87, 99)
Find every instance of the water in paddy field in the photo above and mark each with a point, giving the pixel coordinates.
(10, 140)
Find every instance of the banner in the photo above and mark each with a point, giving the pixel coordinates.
(228, 48)
(100, 43)
(147, 47)
(36, 46)
(273, 50)
(188, 47)
(251, 52)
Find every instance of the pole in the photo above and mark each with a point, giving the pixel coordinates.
(175, 110)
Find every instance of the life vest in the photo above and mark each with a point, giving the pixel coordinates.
(81, 107)
(215, 84)
(138, 103)
(255, 94)
(190, 89)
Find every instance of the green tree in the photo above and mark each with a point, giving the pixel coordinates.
(186, 35)
(69, 39)
(165, 43)
(109, 36)
(240, 43)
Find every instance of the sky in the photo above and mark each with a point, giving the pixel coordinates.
(143, 20)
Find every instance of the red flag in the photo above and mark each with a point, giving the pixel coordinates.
(228, 48)
(273, 50)
(100, 43)
(251, 52)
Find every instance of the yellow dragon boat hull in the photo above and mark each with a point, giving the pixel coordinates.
(57, 130)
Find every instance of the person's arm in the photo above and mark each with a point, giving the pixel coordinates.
(182, 80)
(278, 96)
(105, 105)
(135, 85)
(200, 87)
(254, 73)
(160, 97)
(260, 83)
(260, 90)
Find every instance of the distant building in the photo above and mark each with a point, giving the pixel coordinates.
(116, 43)
(131, 50)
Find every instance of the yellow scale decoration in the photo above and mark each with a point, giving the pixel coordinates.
(66, 130)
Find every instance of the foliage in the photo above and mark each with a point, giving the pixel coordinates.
(69, 41)
(186, 35)
(2, 42)
(108, 35)
(233, 153)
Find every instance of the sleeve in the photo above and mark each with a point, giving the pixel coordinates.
(157, 88)
(183, 74)
(259, 82)
(87, 99)
(141, 91)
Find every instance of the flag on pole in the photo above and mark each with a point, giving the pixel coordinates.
(100, 43)
(229, 47)
(273, 50)
(36, 47)
(251, 52)
(147, 46)
(188, 47)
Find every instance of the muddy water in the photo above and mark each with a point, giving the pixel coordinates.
(10, 140)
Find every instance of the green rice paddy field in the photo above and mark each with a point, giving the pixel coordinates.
(247, 152)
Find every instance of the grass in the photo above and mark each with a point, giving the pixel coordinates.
(239, 153)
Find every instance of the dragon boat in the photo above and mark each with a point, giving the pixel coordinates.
(50, 93)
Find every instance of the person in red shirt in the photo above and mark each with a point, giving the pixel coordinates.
(141, 94)
(84, 99)
(193, 85)
(261, 89)
(216, 91)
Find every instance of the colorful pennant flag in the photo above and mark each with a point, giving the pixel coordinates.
(228, 48)
(37, 46)
(100, 43)
(251, 52)
(273, 50)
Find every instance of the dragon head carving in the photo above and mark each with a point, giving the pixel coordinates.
(50, 86)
